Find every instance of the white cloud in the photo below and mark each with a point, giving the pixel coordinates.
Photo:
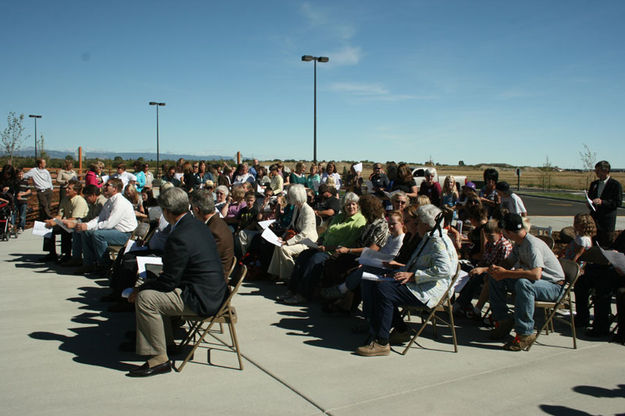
(348, 55)
(373, 91)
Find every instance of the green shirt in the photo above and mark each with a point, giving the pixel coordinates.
(344, 231)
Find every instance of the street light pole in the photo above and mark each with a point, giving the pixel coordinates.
(157, 139)
(35, 116)
(307, 58)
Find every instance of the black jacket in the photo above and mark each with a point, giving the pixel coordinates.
(191, 262)
(611, 198)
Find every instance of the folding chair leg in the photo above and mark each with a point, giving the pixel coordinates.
(235, 344)
(414, 338)
(453, 326)
(195, 347)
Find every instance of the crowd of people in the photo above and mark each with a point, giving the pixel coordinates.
(205, 216)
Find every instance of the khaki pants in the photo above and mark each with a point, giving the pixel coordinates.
(153, 312)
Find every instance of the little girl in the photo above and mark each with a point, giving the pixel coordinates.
(585, 229)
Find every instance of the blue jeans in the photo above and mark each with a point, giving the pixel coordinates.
(95, 242)
(21, 210)
(380, 302)
(526, 292)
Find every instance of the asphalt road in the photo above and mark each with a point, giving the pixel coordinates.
(555, 207)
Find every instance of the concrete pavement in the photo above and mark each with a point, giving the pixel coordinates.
(59, 356)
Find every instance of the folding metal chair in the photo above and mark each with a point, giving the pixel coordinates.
(444, 305)
(548, 240)
(200, 327)
(572, 271)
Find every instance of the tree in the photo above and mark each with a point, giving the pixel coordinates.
(12, 136)
(589, 158)
(547, 171)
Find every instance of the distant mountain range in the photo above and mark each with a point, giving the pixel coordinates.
(60, 154)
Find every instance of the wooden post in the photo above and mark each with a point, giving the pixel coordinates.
(79, 160)
(238, 158)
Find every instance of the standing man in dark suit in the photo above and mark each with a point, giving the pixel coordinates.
(192, 282)
(203, 206)
(606, 195)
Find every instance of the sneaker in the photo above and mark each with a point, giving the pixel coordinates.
(520, 342)
(399, 337)
(373, 349)
(502, 329)
(331, 293)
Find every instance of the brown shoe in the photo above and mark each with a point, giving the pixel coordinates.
(502, 329)
(373, 350)
(520, 342)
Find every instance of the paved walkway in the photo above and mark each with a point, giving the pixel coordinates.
(59, 356)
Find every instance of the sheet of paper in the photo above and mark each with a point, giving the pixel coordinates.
(260, 189)
(589, 201)
(271, 237)
(358, 167)
(143, 260)
(616, 259)
(39, 228)
(60, 224)
(133, 246)
(374, 258)
(376, 277)
(265, 224)
(462, 280)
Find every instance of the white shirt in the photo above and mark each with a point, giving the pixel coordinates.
(117, 213)
(125, 177)
(514, 204)
(41, 178)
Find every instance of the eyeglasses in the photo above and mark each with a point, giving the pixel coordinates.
(401, 202)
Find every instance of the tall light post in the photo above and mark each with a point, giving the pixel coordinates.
(308, 58)
(157, 144)
(35, 116)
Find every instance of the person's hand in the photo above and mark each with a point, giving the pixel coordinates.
(403, 277)
(49, 223)
(478, 270)
(392, 264)
(497, 272)
(133, 296)
(322, 248)
(81, 227)
(596, 201)
(342, 250)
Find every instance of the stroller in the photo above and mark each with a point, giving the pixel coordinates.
(6, 217)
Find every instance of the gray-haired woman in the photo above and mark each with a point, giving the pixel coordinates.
(422, 281)
(303, 223)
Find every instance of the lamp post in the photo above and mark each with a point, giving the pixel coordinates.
(308, 58)
(35, 116)
(157, 144)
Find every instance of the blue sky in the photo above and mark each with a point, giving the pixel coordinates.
(478, 81)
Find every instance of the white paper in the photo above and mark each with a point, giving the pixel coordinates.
(358, 167)
(590, 201)
(265, 224)
(260, 189)
(63, 226)
(374, 258)
(462, 280)
(143, 260)
(105, 179)
(271, 237)
(132, 245)
(39, 228)
(616, 259)
(377, 277)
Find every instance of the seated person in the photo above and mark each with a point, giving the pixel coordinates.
(192, 282)
(430, 188)
(234, 203)
(113, 226)
(422, 281)
(247, 224)
(327, 204)
(72, 207)
(604, 279)
(509, 200)
(585, 230)
(537, 275)
(344, 231)
(496, 250)
(203, 207)
(392, 247)
(303, 227)
(123, 175)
